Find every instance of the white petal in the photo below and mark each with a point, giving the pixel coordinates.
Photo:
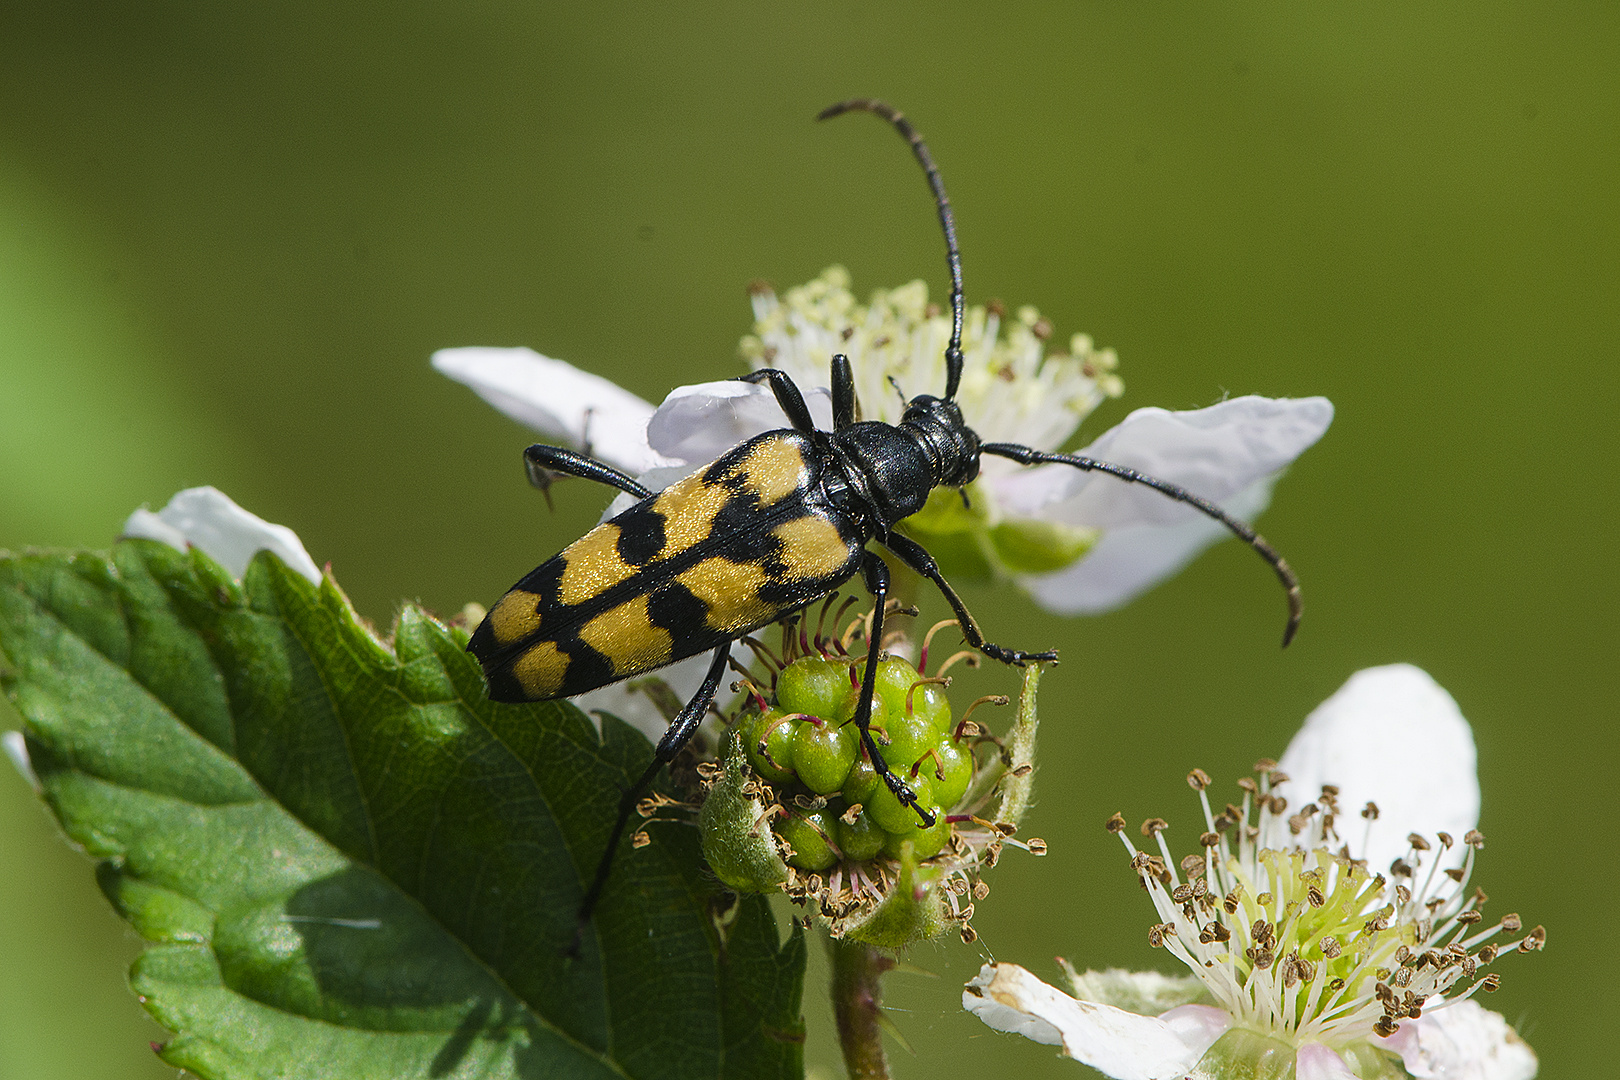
(205, 518)
(1464, 1041)
(1316, 1062)
(558, 400)
(1230, 453)
(698, 423)
(1214, 452)
(1127, 562)
(1120, 1044)
(1393, 736)
(16, 748)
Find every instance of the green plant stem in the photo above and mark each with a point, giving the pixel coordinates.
(857, 994)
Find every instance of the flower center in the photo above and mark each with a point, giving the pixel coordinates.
(1297, 938)
(1012, 387)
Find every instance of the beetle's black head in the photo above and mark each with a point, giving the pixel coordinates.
(952, 446)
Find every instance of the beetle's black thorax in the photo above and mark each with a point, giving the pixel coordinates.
(893, 467)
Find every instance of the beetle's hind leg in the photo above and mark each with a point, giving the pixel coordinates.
(545, 462)
(679, 733)
(916, 556)
(877, 583)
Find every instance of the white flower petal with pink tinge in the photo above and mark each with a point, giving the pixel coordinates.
(1115, 1042)
(1393, 736)
(558, 400)
(1465, 1041)
(1313, 1061)
(206, 518)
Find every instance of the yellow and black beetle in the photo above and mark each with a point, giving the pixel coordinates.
(772, 525)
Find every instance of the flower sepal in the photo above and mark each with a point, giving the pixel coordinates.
(1241, 1054)
(912, 912)
(737, 842)
(972, 543)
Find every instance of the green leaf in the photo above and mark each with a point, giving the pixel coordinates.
(350, 862)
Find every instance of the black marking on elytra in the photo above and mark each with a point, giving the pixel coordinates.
(587, 668)
(674, 608)
(641, 534)
(503, 685)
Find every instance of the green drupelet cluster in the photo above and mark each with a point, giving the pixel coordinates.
(807, 739)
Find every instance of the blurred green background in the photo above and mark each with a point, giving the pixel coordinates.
(230, 235)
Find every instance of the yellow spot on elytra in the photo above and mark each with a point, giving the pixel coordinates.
(775, 469)
(515, 617)
(627, 637)
(591, 565)
(689, 507)
(540, 670)
(812, 547)
(731, 591)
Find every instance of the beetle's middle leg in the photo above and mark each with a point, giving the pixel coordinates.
(542, 461)
(916, 556)
(679, 733)
(876, 572)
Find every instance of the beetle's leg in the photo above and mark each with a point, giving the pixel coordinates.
(843, 393)
(1026, 455)
(787, 396)
(876, 572)
(542, 460)
(679, 733)
(916, 556)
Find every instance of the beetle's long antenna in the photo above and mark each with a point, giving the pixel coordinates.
(1025, 455)
(953, 352)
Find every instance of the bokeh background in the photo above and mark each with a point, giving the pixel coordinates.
(230, 235)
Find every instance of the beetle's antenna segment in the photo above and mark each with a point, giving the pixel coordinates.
(953, 352)
(1025, 455)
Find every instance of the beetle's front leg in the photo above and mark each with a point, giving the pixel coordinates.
(876, 572)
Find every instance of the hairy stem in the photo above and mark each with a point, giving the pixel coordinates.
(857, 994)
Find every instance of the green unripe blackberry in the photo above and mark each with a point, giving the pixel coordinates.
(909, 738)
(845, 712)
(807, 833)
(926, 843)
(896, 679)
(893, 815)
(861, 784)
(776, 763)
(813, 684)
(861, 840)
(951, 770)
(823, 754)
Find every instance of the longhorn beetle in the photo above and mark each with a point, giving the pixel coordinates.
(772, 525)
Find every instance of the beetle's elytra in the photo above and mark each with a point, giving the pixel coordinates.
(710, 558)
(774, 524)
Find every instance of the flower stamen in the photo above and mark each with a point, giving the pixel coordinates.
(1297, 940)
